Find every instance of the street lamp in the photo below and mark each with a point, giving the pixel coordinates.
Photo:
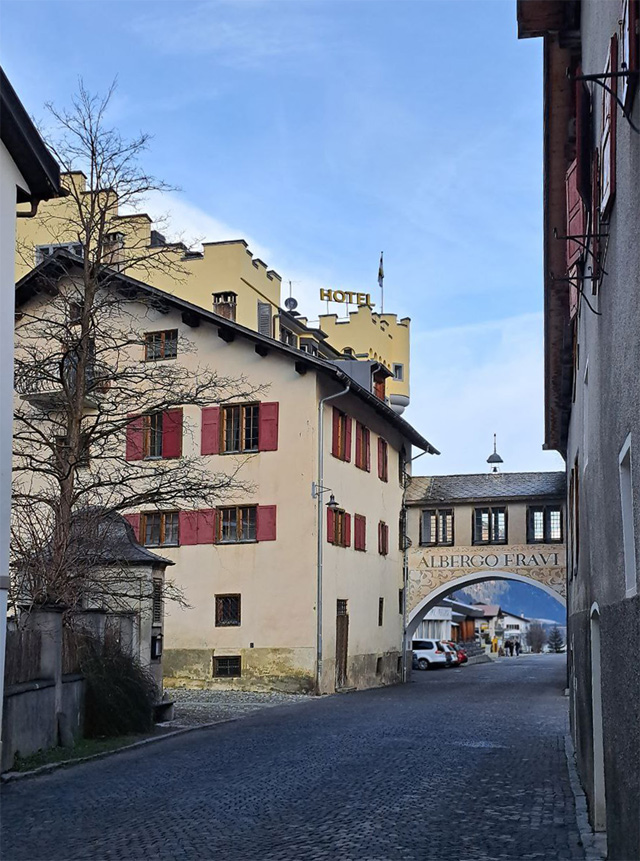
(317, 490)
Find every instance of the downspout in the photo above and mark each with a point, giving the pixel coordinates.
(405, 569)
(31, 213)
(321, 404)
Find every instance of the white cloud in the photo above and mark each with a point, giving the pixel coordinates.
(470, 382)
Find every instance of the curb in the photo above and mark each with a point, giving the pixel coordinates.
(594, 843)
(11, 776)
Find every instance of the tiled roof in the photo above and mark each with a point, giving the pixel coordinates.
(485, 486)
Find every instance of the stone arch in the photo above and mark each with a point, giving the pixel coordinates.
(417, 613)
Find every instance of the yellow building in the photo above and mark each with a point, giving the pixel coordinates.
(224, 277)
(295, 582)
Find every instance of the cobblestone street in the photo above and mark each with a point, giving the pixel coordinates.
(459, 765)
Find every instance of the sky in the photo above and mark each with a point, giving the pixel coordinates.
(326, 132)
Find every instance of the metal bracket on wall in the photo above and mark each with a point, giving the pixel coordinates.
(574, 283)
(582, 242)
(600, 80)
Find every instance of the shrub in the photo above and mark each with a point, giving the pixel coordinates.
(119, 692)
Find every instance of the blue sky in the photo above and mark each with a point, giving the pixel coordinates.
(324, 132)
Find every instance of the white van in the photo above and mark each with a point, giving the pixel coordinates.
(428, 654)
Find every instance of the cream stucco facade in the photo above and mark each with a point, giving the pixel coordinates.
(276, 578)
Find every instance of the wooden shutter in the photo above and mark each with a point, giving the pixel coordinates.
(359, 442)
(172, 433)
(594, 246)
(335, 444)
(135, 435)
(575, 214)
(583, 140)
(264, 319)
(134, 522)
(268, 427)
(210, 431)
(347, 530)
(205, 526)
(266, 523)
(367, 445)
(331, 526)
(359, 532)
(188, 527)
(629, 50)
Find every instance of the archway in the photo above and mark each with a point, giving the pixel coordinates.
(417, 613)
(599, 803)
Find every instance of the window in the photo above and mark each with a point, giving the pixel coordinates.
(383, 538)
(338, 527)
(379, 385)
(490, 526)
(363, 447)
(383, 460)
(63, 453)
(237, 524)
(264, 319)
(240, 428)
(76, 309)
(156, 647)
(341, 445)
(513, 627)
(44, 251)
(359, 532)
(398, 372)
(227, 667)
(160, 528)
(544, 524)
(400, 600)
(152, 435)
(436, 527)
(380, 612)
(608, 132)
(160, 345)
(342, 607)
(626, 502)
(156, 602)
(628, 51)
(227, 610)
(308, 345)
(287, 337)
(574, 517)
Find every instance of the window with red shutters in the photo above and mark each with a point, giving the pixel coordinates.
(197, 527)
(210, 431)
(608, 132)
(383, 538)
(155, 435)
(363, 447)
(359, 532)
(338, 527)
(172, 433)
(383, 460)
(266, 523)
(341, 442)
(135, 438)
(575, 214)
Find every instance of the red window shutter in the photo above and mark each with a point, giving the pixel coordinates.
(380, 446)
(608, 131)
(359, 441)
(172, 433)
(360, 532)
(134, 522)
(335, 445)
(347, 438)
(367, 441)
(583, 140)
(266, 523)
(595, 224)
(134, 438)
(268, 427)
(347, 530)
(386, 538)
(575, 214)
(188, 527)
(331, 526)
(205, 526)
(210, 431)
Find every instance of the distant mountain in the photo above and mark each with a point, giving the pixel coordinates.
(517, 598)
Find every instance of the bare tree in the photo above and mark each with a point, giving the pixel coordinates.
(536, 637)
(80, 379)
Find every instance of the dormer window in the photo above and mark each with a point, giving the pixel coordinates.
(225, 303)
(379, 385)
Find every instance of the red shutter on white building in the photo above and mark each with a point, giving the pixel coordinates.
(575, 214)
(335, 442)
(331, 528)
(348, 421)
(583, 140)
(134, 522)
(135, 435)
(210, 431)
(188, 527)
(359, 532)
(266, 523)
(206, 525)
(347, 530)
(608, 133)
(172, 433)
(268, 426)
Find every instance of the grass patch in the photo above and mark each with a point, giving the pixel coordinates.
(83, 747)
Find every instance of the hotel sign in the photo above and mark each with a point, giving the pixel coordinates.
(346, 296)
(491, 560)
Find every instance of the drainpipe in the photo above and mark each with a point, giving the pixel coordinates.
(321, 404)
(405, 571)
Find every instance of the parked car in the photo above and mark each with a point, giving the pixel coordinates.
(460, 652)
(448, 647)
(428, 654)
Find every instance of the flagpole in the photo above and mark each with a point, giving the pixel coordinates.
(381, 281)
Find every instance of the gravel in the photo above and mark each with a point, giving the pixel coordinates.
(194, 708)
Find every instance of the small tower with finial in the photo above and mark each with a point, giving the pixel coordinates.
(494, 459)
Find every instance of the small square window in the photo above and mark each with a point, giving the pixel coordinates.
(227, 610)
(161, 345)
(227, 667)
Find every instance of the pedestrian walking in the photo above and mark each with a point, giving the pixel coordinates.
(509, 645)
(518, 648)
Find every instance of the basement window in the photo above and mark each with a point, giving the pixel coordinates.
(227, 667)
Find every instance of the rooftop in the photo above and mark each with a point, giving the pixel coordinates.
(485, 486)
